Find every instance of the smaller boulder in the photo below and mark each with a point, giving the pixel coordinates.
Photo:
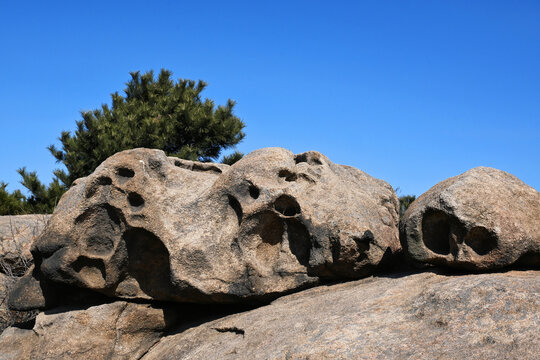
(118, 330)
(482, 219)
(16, 236)
(9, 317)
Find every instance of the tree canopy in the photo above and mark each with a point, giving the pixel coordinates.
(154, 112)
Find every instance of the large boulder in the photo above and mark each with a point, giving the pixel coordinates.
(118, 330)
(148, 226)
(421, 316)
(482, 219)
(16, 235)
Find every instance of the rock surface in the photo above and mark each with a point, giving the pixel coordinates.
(5, 314)
(426, 315)
(147, 226)
(16, 235)
(482, 219)
(421, 316)
(9, 317)
(118, 330)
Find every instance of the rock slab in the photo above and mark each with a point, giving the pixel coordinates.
(421, 316)
(16, 235)
(116, 331)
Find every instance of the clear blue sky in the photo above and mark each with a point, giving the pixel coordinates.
(411, 92)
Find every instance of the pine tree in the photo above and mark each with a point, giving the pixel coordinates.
(404, 203)
(12, 203)
(153, 113)
(156, 113)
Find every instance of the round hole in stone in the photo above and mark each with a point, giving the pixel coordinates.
(125, 172)
(436, 231)
(287, 205)
(480, 240)
(135, 199)
(254, 191)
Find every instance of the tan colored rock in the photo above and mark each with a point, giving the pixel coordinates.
(422, 316)
(16, 235)
(9, 317)
(118, 330)
(5, 314)
(148, 226)
(482, 219)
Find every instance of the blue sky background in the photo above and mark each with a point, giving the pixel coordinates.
(412, 92)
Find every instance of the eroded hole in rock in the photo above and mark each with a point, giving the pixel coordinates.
(308, 157)
(263, 232)
(135, 199)
(125, 172)
(287, 175)
(100, 181)
(233, 329)
(267, 226)
(91, 271)
(104, 217)
(299, 240)
(363, 245)
(148, 262)
(480, 240)
(270, 228)
(235, 205)
(287, 205)
(104, 180)
(206, 167)
(99, 245)
(436, 231)
(254, 191)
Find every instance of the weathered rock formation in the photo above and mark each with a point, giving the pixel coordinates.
(417, 316)
(147, 226)
(16, 235)
(142, 259)
(118, 330)
(482, 219)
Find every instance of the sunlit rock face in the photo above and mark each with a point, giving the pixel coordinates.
(148, 226)
(482, 219)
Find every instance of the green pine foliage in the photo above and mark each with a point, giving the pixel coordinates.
(156, 113)
(153, 113)
(404, 203)
(232, 158)
(12, 203)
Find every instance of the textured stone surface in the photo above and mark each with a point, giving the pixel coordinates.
(118, 330)
(5, 316)
(482, 219)
(16, 235)
(421, 316)
(151, 227)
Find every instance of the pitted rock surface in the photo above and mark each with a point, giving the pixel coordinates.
(482, 219)
(148, 226)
